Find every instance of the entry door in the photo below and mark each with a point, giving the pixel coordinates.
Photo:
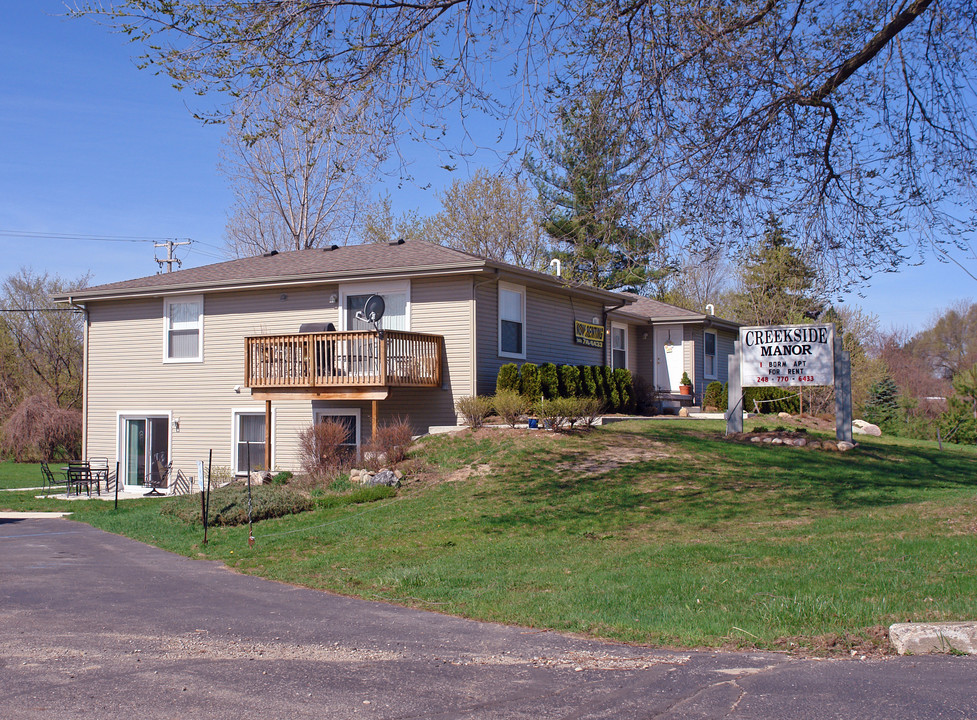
(145, 439)
(669, 357)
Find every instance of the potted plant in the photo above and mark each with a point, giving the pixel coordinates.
(685, 386)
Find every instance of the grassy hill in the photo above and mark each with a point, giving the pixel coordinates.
(658, 532)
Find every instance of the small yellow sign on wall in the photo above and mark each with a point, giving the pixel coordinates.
(588, 334)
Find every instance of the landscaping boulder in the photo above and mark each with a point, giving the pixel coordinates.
(384, 477)
(860, 427)
(845, 446)
(783, 415)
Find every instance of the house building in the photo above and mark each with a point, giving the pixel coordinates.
(243, 355)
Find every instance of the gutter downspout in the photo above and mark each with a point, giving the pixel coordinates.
(84, 378)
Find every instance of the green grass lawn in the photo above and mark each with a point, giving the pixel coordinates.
(20, 475)
(653, 532)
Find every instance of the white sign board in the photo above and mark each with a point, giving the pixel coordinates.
(787, 355)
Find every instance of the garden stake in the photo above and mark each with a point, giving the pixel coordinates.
(250, 532)
(117, 486)
(205, 493)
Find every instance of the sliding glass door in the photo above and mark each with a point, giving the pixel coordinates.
(145, 444)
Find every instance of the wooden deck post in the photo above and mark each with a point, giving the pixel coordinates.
(373, 421)
(268, 435)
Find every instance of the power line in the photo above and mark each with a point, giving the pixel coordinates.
(78, 236)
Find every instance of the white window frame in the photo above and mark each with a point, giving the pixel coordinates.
(521, 291)
(715, 356)
(120, 439)
(181, 299)
(318, 413)
(236, 431)
(620, 326)
(387, 287)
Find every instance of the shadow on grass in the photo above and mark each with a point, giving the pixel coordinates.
(704, 478)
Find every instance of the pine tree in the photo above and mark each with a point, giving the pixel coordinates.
(587, 177)
(882, 405)
(776, 282)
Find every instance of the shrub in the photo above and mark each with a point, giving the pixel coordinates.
(770, 400)
(548, 412)
(282, 478)
(229, 504)
(590, 409)
(529, 384)
(549, 381)
(686, 380)
(509, 405)
(38, 429)
(474, 409)
(588, 384)
(625, 389)
(611, 394)
(724, 404)
(322, 449)
(713, 396)
(569, 380)
(508, 378)
(646, 396)
(389, 444)
(882, 405)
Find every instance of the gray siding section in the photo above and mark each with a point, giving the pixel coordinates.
(549, 332)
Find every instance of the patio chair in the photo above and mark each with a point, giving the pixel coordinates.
(48, 479)
(160, 476)
(79, 473)
(100, 471)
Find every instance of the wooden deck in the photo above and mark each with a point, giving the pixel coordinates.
(342, 362)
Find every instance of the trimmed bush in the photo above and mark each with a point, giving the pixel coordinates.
(474, 409)
(771, 400)
(509, 405)
(508, 378)
(625, 389)
(588, 385)
(529, 384)
(569, 380)
(590, 409)
(282, 478)
(612, 395)
(549, 381)
(713, 396)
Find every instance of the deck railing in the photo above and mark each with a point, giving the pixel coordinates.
(343, 359)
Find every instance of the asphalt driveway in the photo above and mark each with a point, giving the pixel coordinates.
(97, 626)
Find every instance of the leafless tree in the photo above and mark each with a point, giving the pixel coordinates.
(493, 216)
(854, 122)
(299, 183)
(379, 225)
(47, 341)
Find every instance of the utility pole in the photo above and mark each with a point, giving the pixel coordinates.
(169, 259)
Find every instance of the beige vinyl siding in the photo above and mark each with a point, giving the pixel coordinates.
(126, 373)
(549, 332)
(439, 306)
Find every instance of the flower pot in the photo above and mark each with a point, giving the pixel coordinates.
(533, 423)
(685, 389)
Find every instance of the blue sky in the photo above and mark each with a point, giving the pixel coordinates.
(91, 145)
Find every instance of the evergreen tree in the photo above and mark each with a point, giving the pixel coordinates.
(882, 405)
(587, 177)
(776, 282)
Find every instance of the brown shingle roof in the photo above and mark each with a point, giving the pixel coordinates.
(657, 311)
(413, 257)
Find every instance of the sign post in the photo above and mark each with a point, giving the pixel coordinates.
(734, 411)
(843, 412)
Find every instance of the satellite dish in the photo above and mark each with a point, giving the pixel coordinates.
(374, 308)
